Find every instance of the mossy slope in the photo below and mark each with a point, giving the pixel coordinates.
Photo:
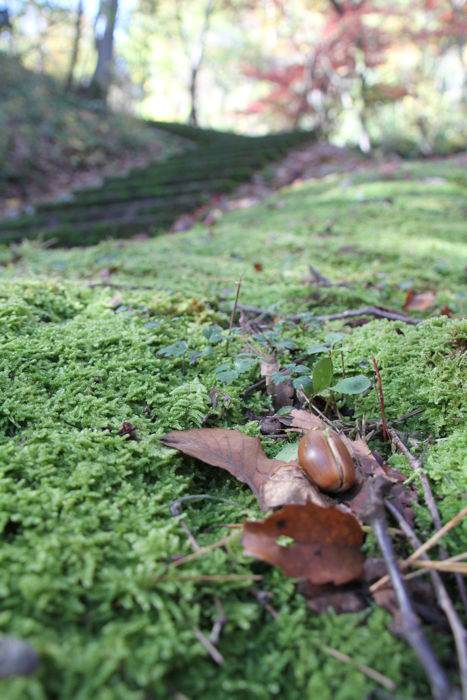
(85, 513)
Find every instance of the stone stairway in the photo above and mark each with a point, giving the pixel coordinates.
(149, 200)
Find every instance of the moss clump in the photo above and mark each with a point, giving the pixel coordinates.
(421, 368)
(87, 532)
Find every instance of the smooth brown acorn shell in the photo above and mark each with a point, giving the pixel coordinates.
(326, 461)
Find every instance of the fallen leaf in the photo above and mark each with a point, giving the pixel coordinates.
(258, 267)
(273, 482)
(281, 394)
(419, 302)
(325, 543)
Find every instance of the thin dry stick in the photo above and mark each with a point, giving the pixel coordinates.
(211, 578)
(363, 668)
(445, 565)
(219, 622)
(410, 626)
(235, 306)
(444, 601)
(204, 550)
(215, 655)
(379, 381)
(351, 313)
(429, 499)
(424, 547)
(417, 467)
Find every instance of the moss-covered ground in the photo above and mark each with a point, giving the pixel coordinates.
(87, 532)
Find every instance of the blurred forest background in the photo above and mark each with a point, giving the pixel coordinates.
(371, 74)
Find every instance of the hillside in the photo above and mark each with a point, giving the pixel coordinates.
(52, 142)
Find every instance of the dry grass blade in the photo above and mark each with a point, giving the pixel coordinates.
(442, 596)
(214, 653)
(424, 547)
(204, 550)
(363, 668)
(211, 578)
(447, 566)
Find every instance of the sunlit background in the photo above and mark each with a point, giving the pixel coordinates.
(386, 73)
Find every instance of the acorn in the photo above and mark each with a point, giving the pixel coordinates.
(326, 461)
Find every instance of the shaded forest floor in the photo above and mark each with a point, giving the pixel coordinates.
(137, 331)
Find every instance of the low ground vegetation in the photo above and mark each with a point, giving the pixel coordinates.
(137, 331)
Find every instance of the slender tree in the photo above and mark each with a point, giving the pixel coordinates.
(104, 28)
(76, 46)
(195, 55)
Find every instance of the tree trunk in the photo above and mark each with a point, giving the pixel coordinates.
(76, 46)
(104, 41)
(196, 63)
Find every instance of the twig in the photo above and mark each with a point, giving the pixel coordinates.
(363, 668)
(204, 550)
(234, 311)
(318, 278)
(262, 597)
(429, 499)
(219, 622)
(371, 311)
(215, 655)
(211, 578)
(253, 387)
(447, 565)
(113, 285)
(176, 509)
(424, 547)
(379, 381)
(350, 313)
(444, 601)
(410, 626)
(415, 463)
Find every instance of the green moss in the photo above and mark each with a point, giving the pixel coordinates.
(87, 533)
(421, 368)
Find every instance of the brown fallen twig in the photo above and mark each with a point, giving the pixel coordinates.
(444, 601)
(447, 565)
(318, 278)
(363, 668)
(416, 465)
(234, 311)
(204, 550)
(213, 652)
(350, 313)
(379, 381)
(210, 578)
(410, 626)
(434, 539)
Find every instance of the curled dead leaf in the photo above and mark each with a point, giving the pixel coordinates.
(273, 482)
(281, 394)
(323, 544)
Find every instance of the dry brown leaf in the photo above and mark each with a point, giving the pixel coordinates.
(419, 302)
(281, 394)
(326, 545)
(273, 482)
